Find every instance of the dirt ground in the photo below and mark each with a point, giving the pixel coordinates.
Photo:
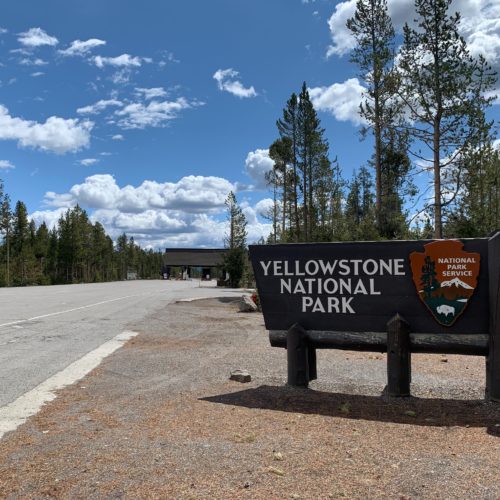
(161, 419)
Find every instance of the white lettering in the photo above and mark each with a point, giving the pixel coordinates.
(315, 266)
(306, 302)
(265, 267)
(372, 288)
(286, 284)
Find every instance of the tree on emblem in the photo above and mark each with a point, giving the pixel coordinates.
(428, 280)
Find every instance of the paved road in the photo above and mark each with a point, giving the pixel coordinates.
(44, 329)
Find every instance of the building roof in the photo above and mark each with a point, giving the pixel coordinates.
(195, 257)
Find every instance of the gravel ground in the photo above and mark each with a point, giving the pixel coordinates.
(160, 419)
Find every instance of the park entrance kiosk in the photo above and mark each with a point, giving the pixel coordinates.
(184, 263)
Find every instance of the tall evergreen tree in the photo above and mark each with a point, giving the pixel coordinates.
(6, 229)
(444, 90)
(288, 128)
(372, 29)
(235, 259)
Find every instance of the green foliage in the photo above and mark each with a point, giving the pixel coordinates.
(445, 91)
(235, 259)
(76, 251)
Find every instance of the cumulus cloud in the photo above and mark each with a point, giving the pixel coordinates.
(98, 107)
(154, 114)
(479, 25)
(257, 164)
(6, 165)
(82, 48)
(36, 37)
(50, 217)
(190, 194)
(125, 60)
(189, 212)
(56, 134)
(342, 100)
(151, 93)
(226, 81)
(87, 162)
(264, 207)
(117, 137)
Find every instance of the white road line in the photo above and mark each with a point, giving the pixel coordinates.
(67, 311)
(14, 414)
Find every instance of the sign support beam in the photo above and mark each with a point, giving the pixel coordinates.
(493, 359)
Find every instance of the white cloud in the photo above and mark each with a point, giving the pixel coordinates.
(154, 114)
(33, 62)
(98, 107)
(342, 100)
(480, 25)
(57, 134)
(81, 48)
(3, 31)
(264, 207)
(226, 82)
(87, 162)
(6, 165)
(50, 217)
(125, 60)
(118, 137)
(151, 93)
(257, 164)
(36, 37)
(37, 73)
(190, 212)
(121, 77)
(191, 194)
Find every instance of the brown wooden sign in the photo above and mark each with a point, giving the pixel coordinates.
(358, 287)
(397, 297)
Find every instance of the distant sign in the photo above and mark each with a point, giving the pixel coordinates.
(360, 286)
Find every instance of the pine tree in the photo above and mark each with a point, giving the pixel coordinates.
(444, 90)
(6, 229)
(372, 29)
(235, 241)
(288, 128)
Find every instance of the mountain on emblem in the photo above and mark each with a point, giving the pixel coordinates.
(445, 277)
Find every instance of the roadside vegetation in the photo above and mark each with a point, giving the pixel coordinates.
(75, 251)
(425, 108)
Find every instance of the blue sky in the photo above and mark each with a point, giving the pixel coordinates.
(148, 113)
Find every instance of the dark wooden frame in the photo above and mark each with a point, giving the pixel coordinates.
(399, 342)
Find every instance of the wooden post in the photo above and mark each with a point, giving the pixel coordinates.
(311, 363)
(297, 356)
(493, 359)
(398, 357)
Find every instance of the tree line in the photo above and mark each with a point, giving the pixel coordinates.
(74, 251)
(425, 107)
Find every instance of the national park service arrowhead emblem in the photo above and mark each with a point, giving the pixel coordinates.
(445, 277)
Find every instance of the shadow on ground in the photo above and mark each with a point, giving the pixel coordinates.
(413, 411)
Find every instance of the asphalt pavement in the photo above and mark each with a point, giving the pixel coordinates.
(44, 329)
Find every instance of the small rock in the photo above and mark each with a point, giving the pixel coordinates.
(277, 472)
(240, 376)
(444, 360)
(278, 456)
(247, 485)
(247, 304)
